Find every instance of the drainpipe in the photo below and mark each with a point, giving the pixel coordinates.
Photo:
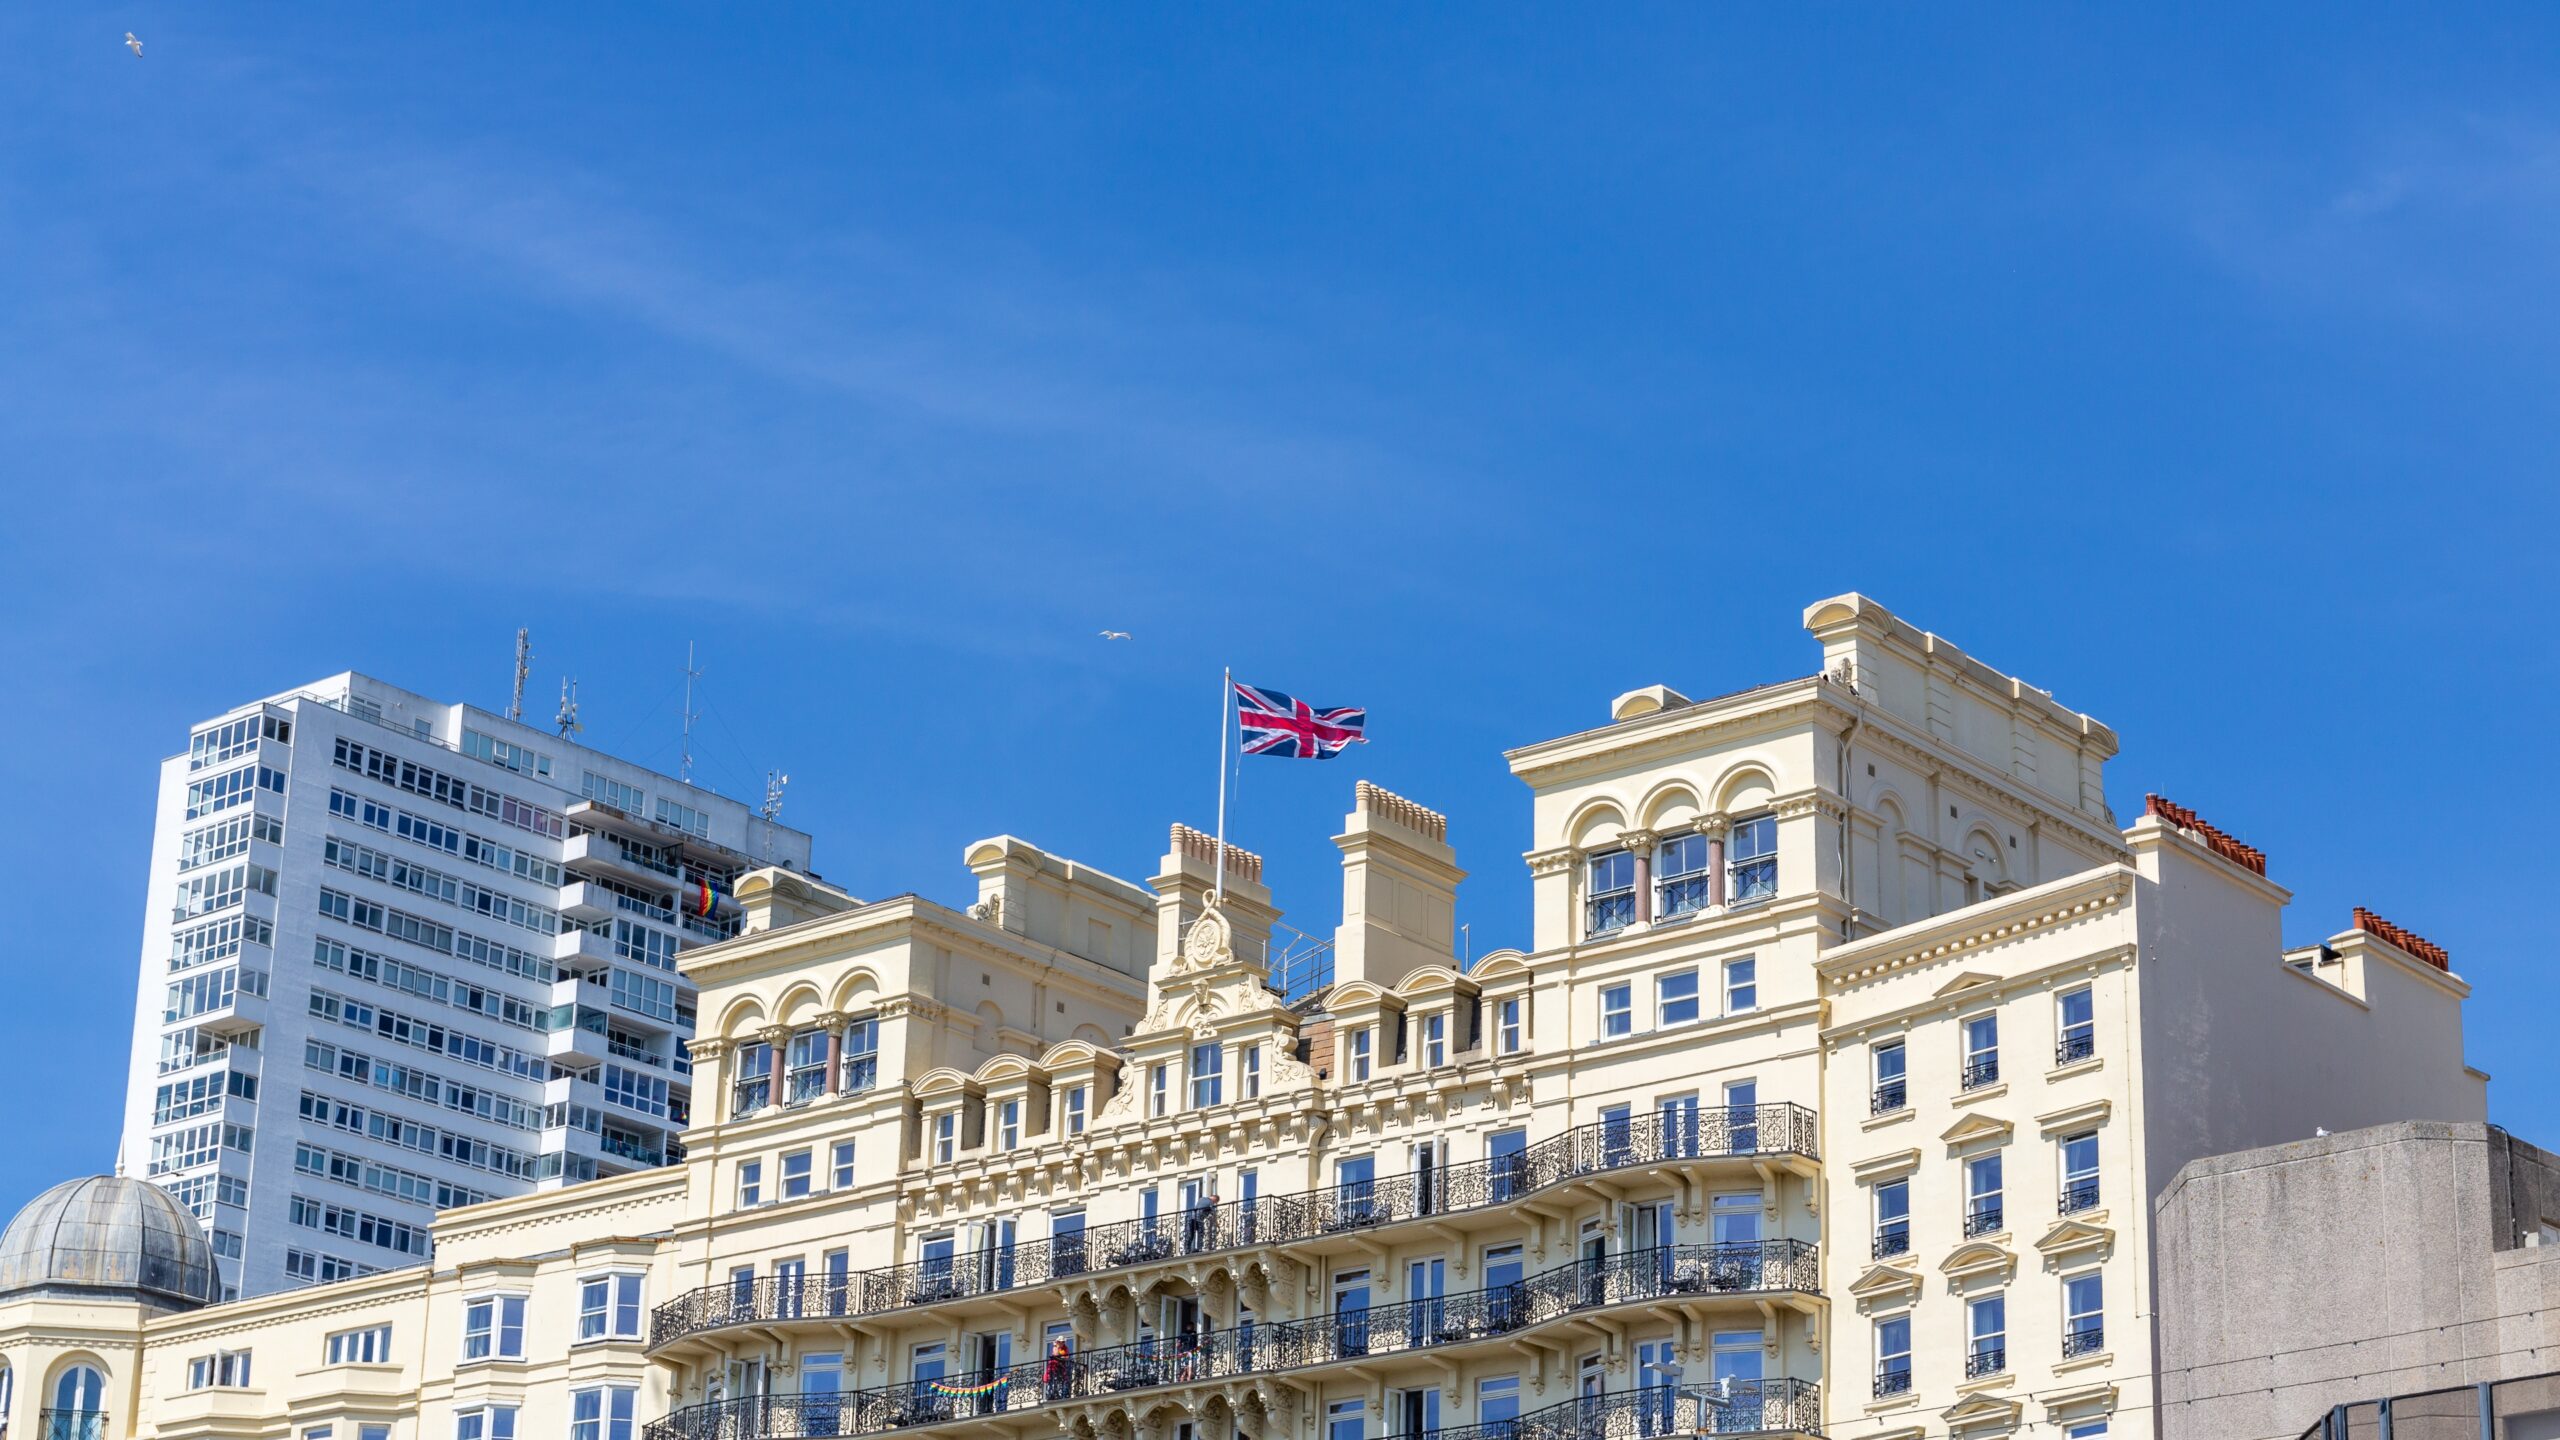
(1848, 887)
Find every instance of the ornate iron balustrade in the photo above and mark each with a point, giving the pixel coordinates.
(72, 1424)
(1890, 1096)
(2078, 1195)
(1210, 1354)
(1893, 1380)
(1986, 1360)
(1978, 1073)
(1982, 1219)
(2085, 1338)
(2075, 1048)
(1650, 1139)
(1740, 1407)
(1892, 1240)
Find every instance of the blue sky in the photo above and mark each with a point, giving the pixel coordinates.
(1471, 363)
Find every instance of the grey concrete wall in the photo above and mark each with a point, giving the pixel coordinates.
(2377, 1262)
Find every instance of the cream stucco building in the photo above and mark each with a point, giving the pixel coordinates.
(1856, 1038)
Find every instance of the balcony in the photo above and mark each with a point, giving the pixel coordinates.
(1587, 1150)
(72, 1425)
(582, 946)
(586, 903)
(2075, 1048)
(596, 853)
(2085, 1337)
(1983, 1219)
(2078, 1195)
(1889, 1097)
(1985, 1360)
(1893, 1380)
(1494, 1315)
(1608, 914)
(1892, 1240)
(1980, 1071)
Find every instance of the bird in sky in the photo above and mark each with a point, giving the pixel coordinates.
(133, 45)
(1115, 634)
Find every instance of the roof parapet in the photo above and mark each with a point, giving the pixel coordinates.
(2229, 847)
(1388, 805)
(2405, 938)
(1204, 848)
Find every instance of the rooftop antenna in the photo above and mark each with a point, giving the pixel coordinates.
(568, 718)
(774, 780)
(524, 667)
(685, 771)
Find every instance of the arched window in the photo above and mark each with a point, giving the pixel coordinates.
(79, 1394)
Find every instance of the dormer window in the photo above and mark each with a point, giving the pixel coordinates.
(1075, 1105)
(1360, 1055)
(1680, 876)
(1751, 860)
(1509, 1028)
(1009, 1125)
(1435, 1041)
(1249, 1072)
(946, 1137)
(1613, 892)
(1159, 1089)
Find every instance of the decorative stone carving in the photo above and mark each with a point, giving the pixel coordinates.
(1209, 944)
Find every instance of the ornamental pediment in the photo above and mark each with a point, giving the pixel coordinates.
(1977, 1129)
(1978, 1261)
(1884, 1282)
(2073, 1237)
(1981, 1412)
(1968, 980)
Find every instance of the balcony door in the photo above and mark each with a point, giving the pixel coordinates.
(1426, 1305)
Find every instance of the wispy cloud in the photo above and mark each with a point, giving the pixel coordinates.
(2451, 221)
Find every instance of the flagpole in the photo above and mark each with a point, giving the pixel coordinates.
(1226, 696)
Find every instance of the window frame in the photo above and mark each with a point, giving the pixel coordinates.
(494, 1332)
(1742, 992)
(605, 1299)
(1617, 1010)
(1669, 1009)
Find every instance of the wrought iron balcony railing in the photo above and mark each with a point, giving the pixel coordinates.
(72, 1424)
(2078, 1195)
(2075, 1047)
(1735, 1407)
(1776, 1129)
(1982, 1071)
(1321, 1340)
(1893, 1380)
(1982, 1219)
(1985, 1360)
(2085, 1337)
(1892, 1240)
(1890, 1096)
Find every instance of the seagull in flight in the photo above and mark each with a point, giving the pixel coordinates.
(133, 45)
(1115, 634)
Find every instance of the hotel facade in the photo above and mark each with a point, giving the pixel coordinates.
(1856, 1037)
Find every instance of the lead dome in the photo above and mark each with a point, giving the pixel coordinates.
(107, 1237)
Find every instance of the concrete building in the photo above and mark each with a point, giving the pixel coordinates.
(2437, 1270)
(1855, 1039)
(399, 955)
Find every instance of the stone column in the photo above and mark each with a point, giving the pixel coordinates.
(1714, 827)
(830, 1045)
(777, 1039)
(1639, 845)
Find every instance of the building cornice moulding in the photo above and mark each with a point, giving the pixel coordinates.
(1988, 924)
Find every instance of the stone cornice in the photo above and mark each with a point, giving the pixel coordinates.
(2006, 920)
(1629, 742)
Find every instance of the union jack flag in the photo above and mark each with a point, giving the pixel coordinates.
(1277, 724)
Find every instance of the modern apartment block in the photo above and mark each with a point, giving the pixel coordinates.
(400, 955)
(1854, 1042)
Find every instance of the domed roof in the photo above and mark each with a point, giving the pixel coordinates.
(108, 1236)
